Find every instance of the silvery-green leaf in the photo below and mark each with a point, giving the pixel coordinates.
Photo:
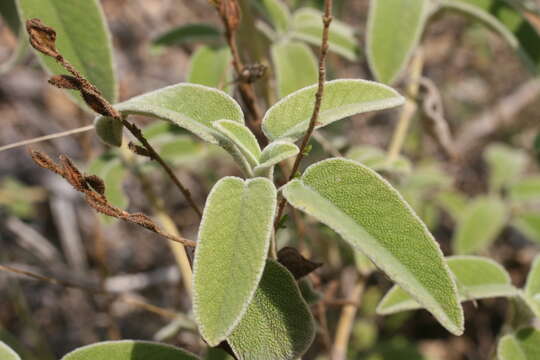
(6, 353)
(477, 278)
(278, 324)
(210, 67)
(274, 153)
(309, 294)
(279, 14)
(308, 26)
(377, 159)
(242, 137)
(129, 350)
(364, 265)
(82, 37)
(295, 67)
(453, 202)
(233, 241)
(394, 30)
(521, 345)
(528, 223)
(109, 130)
(217, 354)
(532, 286)
(480, 224)
(367, 212)
(190, 106)
(289, 118)
(511, 24)
(506, 165)
(525, 189)
(189, 33)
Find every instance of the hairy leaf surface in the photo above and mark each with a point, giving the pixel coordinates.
(279, 14)
(377, 159)
(371, 215)
(522, 345)
(230, 256)
(476, 277)
(278, 324)
(129, 350)
(6, 353)
(480, 224)
(210, 67)
(82, 37)
(394, 30)
(289, 118)
(295, 66)
(242, 137)
(532, 286)
(274, 153)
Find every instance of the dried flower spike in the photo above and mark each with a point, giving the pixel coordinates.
(42, 37)
(96, 183)
(65, 82)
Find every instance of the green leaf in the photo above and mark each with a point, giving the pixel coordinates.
(528, 223)
(480, 224)
(289, 118)
(189, 33)
(274, 153)
(394, 30)
(310, 295)
(532, 286)
(506, 164)
(308, 26)
(453, 202)
(242, 137)
(8, 10)
(210, 67)
(278, 324)
(217, 354)
(82, 37)
(6, 353)
(377, 159)
(109, 130)
(295, 67)
(129, 350)
(500, 16)
(371, 215)
(522, 345)
(279, 14)
(230, 256)
(525, 189)
(476, 277)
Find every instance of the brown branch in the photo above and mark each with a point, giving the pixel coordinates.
(94, 189)
(327, 20)
(43, 39)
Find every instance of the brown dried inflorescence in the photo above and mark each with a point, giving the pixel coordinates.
(42, 37)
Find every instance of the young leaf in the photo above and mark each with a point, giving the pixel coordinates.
(210, 67)
(480, 224)
(189, 33)
(278, 324)
(506, 164)
(242, 137)
(274, 153)
(279, 14)
(476, 277)
(109, 130)
(295, 67)
(377, 160)
(82, 37)
(371, 215)
(129, 350)
(190, 106)
(522, 345)
(394, 30)
(113, 173)
(525, 189)
(229, 260)
(6, 353)
(453, 202)
(289, 118)
(308, 26)
(528, 223)
(532, 286)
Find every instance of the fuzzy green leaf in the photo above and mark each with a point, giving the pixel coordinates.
(242, 137)
(278, 324)
(476, 277)
(528, 223)
(295, 67)
(480, 224)
(308, 26)
(522, 345)
(274, 153)
(82, 36)
(500, 16)
(189, 33)
(129, 350)
(279, 14)
(377, 159)
(289, 118)
(525, 189)
(109, 130)
(532, 286)
(217, 354)
(232, 246)
(453, 202)
(6, 353)
(394, 30)
(8, 11)
(506, 164)
(210, 67)
(371, 215)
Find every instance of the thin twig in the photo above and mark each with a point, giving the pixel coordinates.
(327, 20)
(46, 137)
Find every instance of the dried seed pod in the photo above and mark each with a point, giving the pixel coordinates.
(65, 82)
(42, 37)
(101, 205)
(298, 265)
(72, 174)
(139, 150)
(98, 104)
(143, 220)
(96, 183)
(45, 162)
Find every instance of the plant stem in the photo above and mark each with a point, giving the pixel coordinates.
(46, 137)
(409, 109)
